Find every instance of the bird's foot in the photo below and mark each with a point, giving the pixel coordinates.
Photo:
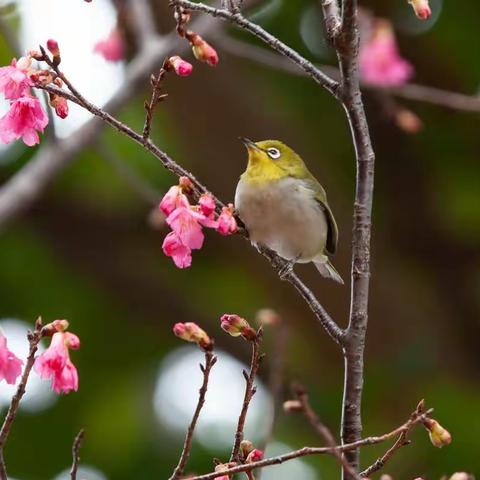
(286, 269)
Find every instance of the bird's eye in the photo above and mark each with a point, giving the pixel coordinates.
(274, 153)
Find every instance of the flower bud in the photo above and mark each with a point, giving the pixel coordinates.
(291, 406)
(226, 221)
(422, 8)
(246, 446)
(60, 105)
(181, 67)
(439, 436)
(207, 204)
(36, 55)
(191, 332)
(41, 77)
(236, 326)
(255, 456)
(56, 326)
(203, 51)
(53, 48)
(267, 316)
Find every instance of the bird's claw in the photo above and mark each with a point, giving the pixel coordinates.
(286, 270)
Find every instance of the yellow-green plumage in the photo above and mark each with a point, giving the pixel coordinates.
(285, 208)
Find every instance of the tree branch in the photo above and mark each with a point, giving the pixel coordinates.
(238, 19)
(250, 390)
(77, 443)
(409, 91)
(210, 360)
(33, 340)
(306, 451)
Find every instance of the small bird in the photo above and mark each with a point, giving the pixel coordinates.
(284, 207)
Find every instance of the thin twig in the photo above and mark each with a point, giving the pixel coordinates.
(307, 410)
(306, 451)
(210, 360)
(238, 19)
(250, 390)
(33, 340)
(401, 441)
(156, 98)
(77, 443)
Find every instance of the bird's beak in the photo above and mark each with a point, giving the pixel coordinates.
(249, 144)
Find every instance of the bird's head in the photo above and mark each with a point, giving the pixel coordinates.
(272, 160)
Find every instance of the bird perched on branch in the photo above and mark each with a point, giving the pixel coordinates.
(285, 208)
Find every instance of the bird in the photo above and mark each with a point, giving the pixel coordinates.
(284, 207)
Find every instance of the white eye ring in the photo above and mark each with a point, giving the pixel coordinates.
(274, 153)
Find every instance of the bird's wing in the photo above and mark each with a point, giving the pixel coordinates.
(332, 234)
(321, 199)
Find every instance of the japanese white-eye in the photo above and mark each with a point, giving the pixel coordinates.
(285, 208)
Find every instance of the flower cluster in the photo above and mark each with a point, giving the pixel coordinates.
(202, 50)
(187, 222)
(26, 116)
(53, 364)
(380, 60)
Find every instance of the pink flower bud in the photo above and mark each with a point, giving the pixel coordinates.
(181, 67)
(422, 8)
(207, 204)
(246, 446)
(291, 406)
(56, 326)
(226, 221)
(203, 51)
(41, 77)
(60, 105)
(255, 456)
(191, 332)
(439, 436)
(53, 48)
(236, 326)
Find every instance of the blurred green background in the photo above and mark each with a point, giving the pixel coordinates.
(86, 251)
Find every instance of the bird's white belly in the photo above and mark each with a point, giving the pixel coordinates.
(285, 217)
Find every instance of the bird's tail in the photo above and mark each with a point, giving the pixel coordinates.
(327, 270)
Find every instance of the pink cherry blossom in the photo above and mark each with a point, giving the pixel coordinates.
(380, 60)
(226, 221)
(24, 118)
(112, 47)
(181, 67)
(173, 199)
(184, 222)
(55, 363)
(255, 455)
(174, 248)
(14, 82)
(10, 364)
(207, 205)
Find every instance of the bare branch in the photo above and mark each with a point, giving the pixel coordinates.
(333, 22)
(238, 19)
(249, 392)
(306, 451)
(33, 340)
(210, 360)
(156, 98)
(322, 429)
(77, 443)
(410, 91)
